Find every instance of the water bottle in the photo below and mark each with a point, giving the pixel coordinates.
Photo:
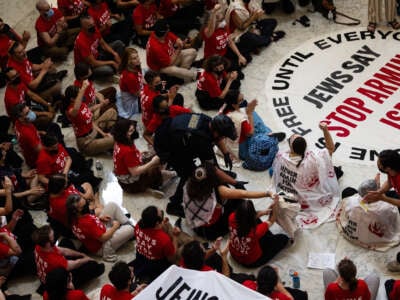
(296, 280)
(99, 168)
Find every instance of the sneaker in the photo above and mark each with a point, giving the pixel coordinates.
(175, 210)
(280, 136)
(155, 193)
(61, 74)
(393, 266)
(178, 223)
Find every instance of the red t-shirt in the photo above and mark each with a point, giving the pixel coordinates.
(146, 102)
(146, 17)
(208, 83)
(24, 69)
(125, 157)
(131, 82)
(274, 295)
(395, 293)
(88, 229)
(335, 292)
(174, 110)
(85, 45)
(48, 164)
(217, 43)
(90, 93)
(82, 122)
(5, 42)
(158, 54)
(109, 292)
(167, 8)
(153, 243)
(28, 139)
(395, 182)
(48, 261)
(14, 96)
(47, 25)
(71, 8)
(4, 247)
(246, 250)
(58, 208)
(71, 295)
(101, 15)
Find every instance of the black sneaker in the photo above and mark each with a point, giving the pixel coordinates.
(280, 136)
(178, 223)
(61, 74)
(175, 210)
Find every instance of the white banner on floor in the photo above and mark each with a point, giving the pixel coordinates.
(178, 283)
(351, 80)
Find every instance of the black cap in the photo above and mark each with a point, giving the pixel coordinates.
(224, 126)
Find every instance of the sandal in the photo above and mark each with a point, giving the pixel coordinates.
(277, 35)
(395, 25)
(371, 27)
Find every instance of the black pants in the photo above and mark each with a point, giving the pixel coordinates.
(91, 270)
(146, 270)
(208, 103)
(185, 19)
(287, 6)
(297, 294)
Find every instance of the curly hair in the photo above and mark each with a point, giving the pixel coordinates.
(120, 131)
(125, 58)
(214, 61)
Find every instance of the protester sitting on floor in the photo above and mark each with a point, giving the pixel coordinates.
(144, 17)
(269, 284)
(48, 257)
(7, 35)
(91, 48)
(101, 103)
(134, 175)
(163, 108)
(288, 6)
(373, 226)
(157, 244)
(214, 83)
(72, 10)
(131, 84)
(123, 286)
(54, 37)
(59, 285)
(313, 181)
(392, 288)
(90, 138)
(249, 126)
(208, 203)
(165, 53)
(345, 285)
(102, 235)
(42, 78)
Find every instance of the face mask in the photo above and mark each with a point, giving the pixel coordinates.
(50, 13)
(159, 87)
(53, 152)
(5, 29)
(219, 73)
(134, 136)
(222, 24)
(160, 34)
(16, 80)
(91, 29)
(85, 209)
(31, 116)
(164, 112)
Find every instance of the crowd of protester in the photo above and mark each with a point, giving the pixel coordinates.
(57, 178)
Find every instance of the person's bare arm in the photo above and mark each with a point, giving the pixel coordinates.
(148, 136)
(249, 111)
(232, 193)
(241, 59)
(36, 98)
(78, 100)
(141, 30)
(212, 21)
(127, 4)
(15, 249)
(328, 138)
(136, 171)
(109, 232)
(231, 77)
(7, 192)
(43, 69)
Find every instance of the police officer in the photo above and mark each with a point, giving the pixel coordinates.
(180, 140)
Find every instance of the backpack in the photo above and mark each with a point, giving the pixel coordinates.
(328, 9)
(261, 152)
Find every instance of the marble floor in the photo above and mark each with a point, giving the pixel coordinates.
(21, 14)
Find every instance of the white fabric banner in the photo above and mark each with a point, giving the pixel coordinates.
(178, 283)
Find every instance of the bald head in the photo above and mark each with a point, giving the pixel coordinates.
(42, 5)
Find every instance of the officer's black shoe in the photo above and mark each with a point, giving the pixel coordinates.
(175, 210)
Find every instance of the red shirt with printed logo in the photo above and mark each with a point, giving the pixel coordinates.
(146, 103)
(131, 82)
(85, 45)
(158, 54)
(48, 164)
(58, 208)
(4, 247)
(46, 261)
(82, 122)
(124, 157)
(335, 292)
(24, 68)
(71, 8)
(208, 83)
(217, 43)
(153, 243)
(109, 292)
(88, 229)
(28, 140)
(144, 16)
(14, 96)
(245, 250)
(90, 93)
(101, 15)
(47, 25)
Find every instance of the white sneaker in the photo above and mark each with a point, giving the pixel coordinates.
(156, 193)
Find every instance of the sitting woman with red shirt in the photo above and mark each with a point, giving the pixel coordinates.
(81, 117)
(345, 285)
(214, 83)
(252, 244)
(133, 175)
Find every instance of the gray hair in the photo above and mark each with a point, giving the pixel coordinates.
(366, 186)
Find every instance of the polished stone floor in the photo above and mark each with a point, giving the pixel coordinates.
(22, 14)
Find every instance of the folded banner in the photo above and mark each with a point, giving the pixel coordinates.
(179, 283)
